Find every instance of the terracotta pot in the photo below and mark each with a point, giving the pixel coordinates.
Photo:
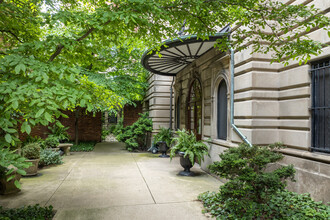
(33, 169)
(9, 187)
(186, 164)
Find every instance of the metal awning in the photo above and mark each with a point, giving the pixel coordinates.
(178, 53)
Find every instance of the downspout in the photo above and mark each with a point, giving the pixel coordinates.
(232, 66)
(171, 104)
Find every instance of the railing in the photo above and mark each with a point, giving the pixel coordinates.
(321, 106)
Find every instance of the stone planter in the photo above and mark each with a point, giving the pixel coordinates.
(186, 164)
(33, 169)
(162, 147)
(9, 187)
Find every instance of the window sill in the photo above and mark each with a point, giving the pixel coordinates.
(223, 143)
(307, 155)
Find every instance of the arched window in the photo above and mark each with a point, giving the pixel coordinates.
(222, 111)
(177, 113)
(195, 109)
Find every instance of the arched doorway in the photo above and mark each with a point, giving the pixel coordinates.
(194, 109)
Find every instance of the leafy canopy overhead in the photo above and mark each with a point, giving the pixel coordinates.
(60, 54)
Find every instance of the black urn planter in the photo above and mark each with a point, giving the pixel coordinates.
(162, 147)
(186, 164)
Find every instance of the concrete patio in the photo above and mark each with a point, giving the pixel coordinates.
(111, 183)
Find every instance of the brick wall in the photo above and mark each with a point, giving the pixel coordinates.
(89, 126)
(131, 113)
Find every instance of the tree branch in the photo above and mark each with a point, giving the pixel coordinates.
(10, 32)
(61, 46)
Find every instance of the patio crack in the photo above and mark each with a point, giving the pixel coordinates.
(63, 180)
(152, 196)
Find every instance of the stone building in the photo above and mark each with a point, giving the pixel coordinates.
(233, 97)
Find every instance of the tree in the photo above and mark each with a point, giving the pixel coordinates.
(60, 54)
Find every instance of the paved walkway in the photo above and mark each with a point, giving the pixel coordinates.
(111, 183)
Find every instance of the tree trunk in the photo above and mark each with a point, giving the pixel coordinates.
(76, 132)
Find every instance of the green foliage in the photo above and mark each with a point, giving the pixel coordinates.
(51, 142)
(36, 139)
(255, 192)
(186, 142)
(10, 162)
(119, 127)
(35, 212)
(281, 205)
(83, 146)
(245, 167)
(83, 53)
(165, 134)
(134, 136)
(48, 157)
(31, 151)
(106, 132)
(59, 131)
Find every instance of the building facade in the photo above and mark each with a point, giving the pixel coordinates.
(271, 103)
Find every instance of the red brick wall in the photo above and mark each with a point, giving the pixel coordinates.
(89, 126)
(131, 114)
(39, 130)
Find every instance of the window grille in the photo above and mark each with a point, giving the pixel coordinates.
(321, 106)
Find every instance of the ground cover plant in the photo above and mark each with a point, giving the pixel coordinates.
(253, 192)
(35, 212)
(49, 157)
(83, 146)
(134, 136)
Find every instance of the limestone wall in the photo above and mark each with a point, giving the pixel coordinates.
(157, 101)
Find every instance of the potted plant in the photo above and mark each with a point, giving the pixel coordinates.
(12, 167)
(32, 153)
(163, 140)
(190, 150)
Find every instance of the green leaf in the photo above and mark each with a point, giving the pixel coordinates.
(8, 138)
(20, 67)
(40, 112)
(17, 184)
(28, 129)
(48, 117)
(15, 104)
(22, 172)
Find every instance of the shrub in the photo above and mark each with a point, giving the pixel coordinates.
(83, 147)
(119, 127)
(48, 157)
(32, 139)
(59, 131)
(51, 142)
(106, 132)
(28, 212)
(134, 136)
(282, 205)
(31, 151)
(245, 167)
(254, 193)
